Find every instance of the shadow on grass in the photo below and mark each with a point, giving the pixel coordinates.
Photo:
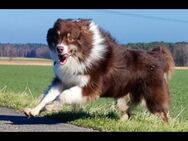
(69, 116)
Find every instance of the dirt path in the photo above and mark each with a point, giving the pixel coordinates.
(12, 121)
(45, 63)
(181, 68)
(26, 62)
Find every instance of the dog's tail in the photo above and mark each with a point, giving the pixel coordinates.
(166, 59)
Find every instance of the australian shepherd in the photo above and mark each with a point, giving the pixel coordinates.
(89, 63)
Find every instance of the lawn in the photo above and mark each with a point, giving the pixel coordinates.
(21, 86)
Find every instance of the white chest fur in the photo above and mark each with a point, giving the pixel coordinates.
(69, 77)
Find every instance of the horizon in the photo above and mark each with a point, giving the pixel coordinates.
(120, 44)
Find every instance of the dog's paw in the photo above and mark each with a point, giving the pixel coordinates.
(125, 117)
(30, 112)
(53, 107)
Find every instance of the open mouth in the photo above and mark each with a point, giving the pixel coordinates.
(63, 58)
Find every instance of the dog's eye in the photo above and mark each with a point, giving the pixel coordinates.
(69, 38)
(58, 33)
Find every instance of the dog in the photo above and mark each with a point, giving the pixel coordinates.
(89, 63)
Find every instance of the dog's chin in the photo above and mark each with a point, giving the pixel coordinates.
(63, 58)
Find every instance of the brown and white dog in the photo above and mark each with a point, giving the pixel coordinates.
(89, 63)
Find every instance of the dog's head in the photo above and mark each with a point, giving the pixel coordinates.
(70, 38)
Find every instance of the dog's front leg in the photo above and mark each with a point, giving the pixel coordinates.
(76, 96)
(72, 96)
(54, 90)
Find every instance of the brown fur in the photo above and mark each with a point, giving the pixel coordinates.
(122, 71)
(78, 36)
(166, 59)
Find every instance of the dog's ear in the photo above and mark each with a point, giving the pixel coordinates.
(73, 34)
(49, 36)
(84, 25)
(58, 21)
(52, 36)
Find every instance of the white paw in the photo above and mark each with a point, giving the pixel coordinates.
(125, 117)
(55, 106)
(30, 112)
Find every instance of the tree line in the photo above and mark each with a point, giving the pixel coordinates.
(24, 50)
(179, 50)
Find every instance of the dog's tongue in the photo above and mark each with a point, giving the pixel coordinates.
(63, 59)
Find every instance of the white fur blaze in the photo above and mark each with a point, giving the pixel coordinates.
(68, 75)
(65, 47)
(98, 49)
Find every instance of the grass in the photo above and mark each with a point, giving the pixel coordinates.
(16, 101)
(25, 79)
(179, 94)
(21, 86)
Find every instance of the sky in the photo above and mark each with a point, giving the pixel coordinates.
(125, 25)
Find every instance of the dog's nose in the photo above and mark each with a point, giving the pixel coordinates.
(60, 49)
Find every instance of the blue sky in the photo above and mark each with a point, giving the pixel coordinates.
(131, 25)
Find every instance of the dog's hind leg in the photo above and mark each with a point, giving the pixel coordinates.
(157, 101)
(124, 105)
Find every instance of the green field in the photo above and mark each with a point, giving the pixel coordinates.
(21, 86)
(18, 79)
